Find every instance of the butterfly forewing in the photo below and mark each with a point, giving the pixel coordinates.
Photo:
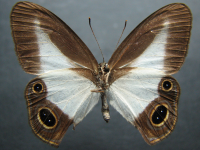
(159, 42)
(43, 42)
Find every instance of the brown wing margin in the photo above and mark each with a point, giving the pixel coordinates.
(23, 27)
(51, 131)
(151, 130)
(180, 19)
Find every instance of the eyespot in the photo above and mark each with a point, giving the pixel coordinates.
(167, 85)
(47, 118)
(159, 115)
(37, 87)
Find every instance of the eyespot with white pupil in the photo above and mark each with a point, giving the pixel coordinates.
(159, 115)
(167, 85)
(37, 88)
(47, 118)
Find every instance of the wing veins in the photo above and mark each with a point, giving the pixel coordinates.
(121, 97)
(67, 100)
(74, 96)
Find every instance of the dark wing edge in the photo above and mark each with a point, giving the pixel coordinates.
(23, 24)
(177, 18)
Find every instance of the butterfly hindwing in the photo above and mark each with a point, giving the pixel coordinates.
(65, 96)
(138, 94)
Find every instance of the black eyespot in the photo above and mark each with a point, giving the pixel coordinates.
(47, 117)
(159, 115)
(37, 87)
(167, 85)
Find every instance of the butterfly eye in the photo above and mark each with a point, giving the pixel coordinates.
(47, 118)
(38, 88)
(159, 115)
(167, 85)
(106, 68)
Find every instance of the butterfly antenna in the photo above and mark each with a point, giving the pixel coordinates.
(121, 34)
(95, 37)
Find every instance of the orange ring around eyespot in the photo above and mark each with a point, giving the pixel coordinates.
(34, 86)
(41, 122)
(154, 109)
(169, 88)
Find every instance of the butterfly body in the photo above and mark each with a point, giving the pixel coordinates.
(136, 81)
(103, 85)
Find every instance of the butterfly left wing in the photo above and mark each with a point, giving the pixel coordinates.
(141, 88)
(58, 99)
(43, 42)
(66, 69)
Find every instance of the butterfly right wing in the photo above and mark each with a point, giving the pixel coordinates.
(148, 99)
(159, 42)
(141, 86)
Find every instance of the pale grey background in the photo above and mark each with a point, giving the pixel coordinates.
(108, 18)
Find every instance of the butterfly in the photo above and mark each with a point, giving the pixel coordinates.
(136, 81)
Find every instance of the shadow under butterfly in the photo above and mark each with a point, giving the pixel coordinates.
(136, 81)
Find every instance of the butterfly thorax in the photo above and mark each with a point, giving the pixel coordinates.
(102, 78)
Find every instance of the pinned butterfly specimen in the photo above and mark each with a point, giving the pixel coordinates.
(136, 81)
